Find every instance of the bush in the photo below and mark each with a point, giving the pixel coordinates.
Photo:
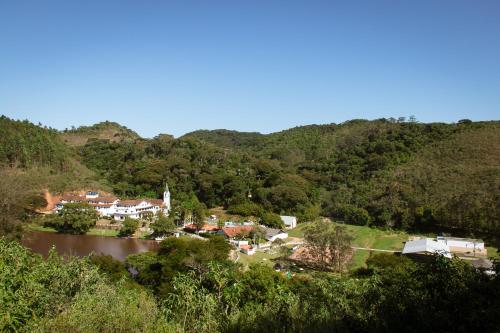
(74, 218)
(245, 209)
(353, 215)
(129, 227)
(272, 220)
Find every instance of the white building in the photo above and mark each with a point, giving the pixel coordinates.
(274, 234)
(426, 246)
(463, 245)
(120, 209)
(105, 205)
(289, 221)
(141, 208)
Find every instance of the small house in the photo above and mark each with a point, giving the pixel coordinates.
(464, 245)
(290, 222)
(274, 234)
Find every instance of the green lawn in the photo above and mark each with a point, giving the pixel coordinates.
(365, 236)
(258, 257)
(298, 231)
(92, 232)
(102, 232)
(37, 227)
(492, 252)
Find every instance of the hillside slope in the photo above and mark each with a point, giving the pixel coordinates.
(111, 131)
(453, 183)
(39, 155)
(386, 173)
(344, 171)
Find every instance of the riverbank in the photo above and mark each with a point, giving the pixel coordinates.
(91, 232)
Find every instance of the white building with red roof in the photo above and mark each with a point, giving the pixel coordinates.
(105, 205)
(119, 209)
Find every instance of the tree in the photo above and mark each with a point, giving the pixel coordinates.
(272, 220)
(353, 215)
(129, 227)
(163, 225)
(258, 233)
(74, 218)
(330, 245)
(14, 195)
(199, 217)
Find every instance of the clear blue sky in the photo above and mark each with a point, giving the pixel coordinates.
(173, 67)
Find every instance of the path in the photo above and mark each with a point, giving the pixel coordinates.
(376, 250)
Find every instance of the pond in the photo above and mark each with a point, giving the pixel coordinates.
(82, 245)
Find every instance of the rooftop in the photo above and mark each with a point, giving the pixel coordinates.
(426, 245)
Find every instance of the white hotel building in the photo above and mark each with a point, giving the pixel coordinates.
(111, 206)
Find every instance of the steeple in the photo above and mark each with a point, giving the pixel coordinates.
(166, 199)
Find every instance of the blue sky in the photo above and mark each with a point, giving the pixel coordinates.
(177, 66)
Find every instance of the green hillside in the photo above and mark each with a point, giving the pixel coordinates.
(386, 173)
(23, 144)
(107, 130)
(37, 156)
(361, 172)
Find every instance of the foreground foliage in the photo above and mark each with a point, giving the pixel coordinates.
(54, 295)
(205, 293)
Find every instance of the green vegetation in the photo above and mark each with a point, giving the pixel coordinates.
(73, 218)
(197, 290)
(394, 175)
(386, 173)
(329, 243)
(54, 295)
(129, 227)
(382, 173)
(263, 258)
(25, 145)
(102, 232)
(105, 131)
(163, 225)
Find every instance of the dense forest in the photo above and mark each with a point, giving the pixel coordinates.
(383, 173)
(386, 172)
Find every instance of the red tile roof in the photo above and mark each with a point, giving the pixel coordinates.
(134, 202)
(206, 227)
(155, 202)
(72, 197)
(234, 231)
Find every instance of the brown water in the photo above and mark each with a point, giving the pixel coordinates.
(82, 245)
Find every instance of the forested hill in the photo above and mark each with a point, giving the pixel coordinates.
(106, 130)
(227, 138)
(43, 160)
(24, 144)
(401, 174)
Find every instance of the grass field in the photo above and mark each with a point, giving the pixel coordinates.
(365, 236)
(258, 257)
(92, 232)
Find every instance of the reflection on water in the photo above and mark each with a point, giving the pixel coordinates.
(82, 245)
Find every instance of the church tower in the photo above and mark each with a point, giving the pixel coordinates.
(166, 199)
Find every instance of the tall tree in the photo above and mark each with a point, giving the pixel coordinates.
(74, 218)
(330, 245)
